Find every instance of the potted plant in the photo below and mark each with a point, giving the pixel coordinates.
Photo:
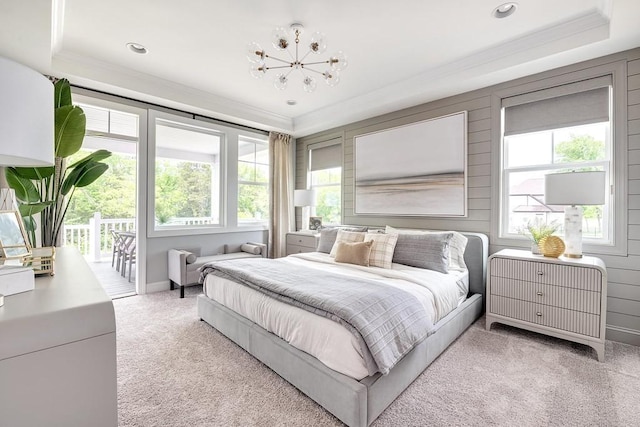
(537, 230)
(48, 190)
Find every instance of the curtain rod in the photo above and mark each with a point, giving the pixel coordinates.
(151, 104)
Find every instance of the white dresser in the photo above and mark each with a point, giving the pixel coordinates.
(561, 297)
(58, 351)
(300, 241)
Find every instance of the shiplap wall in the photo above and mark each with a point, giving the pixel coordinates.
(623, 299)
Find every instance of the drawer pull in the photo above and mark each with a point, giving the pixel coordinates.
(539, 293)
(539, 314)
(540, 273)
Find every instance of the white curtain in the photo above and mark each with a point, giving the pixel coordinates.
(281, 216)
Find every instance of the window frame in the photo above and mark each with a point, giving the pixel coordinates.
(326, 142)
(179, 230)
(256, 141)
(618, 184)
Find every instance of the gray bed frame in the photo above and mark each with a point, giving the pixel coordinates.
(356, 403)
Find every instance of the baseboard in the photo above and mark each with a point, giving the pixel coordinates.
(623, 335)
(158, 286)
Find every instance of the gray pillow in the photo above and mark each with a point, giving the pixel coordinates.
(430, 251)
(328, 237)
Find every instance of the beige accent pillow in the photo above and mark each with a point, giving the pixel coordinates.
(382, 250)
(457, 245)
(347, 236)
(353, 252)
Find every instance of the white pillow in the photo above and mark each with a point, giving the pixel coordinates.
(346, 236)
(457, 245)
(382, 249)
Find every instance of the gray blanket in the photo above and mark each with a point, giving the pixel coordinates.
(387, 322)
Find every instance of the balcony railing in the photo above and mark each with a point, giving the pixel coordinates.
(95, 240)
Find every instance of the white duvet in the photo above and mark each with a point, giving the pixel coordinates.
(326, 340)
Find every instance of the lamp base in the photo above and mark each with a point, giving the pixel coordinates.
(573, 232)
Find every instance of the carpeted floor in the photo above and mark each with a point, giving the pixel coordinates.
(175, 370)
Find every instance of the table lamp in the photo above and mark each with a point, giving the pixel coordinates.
(26, 130)
(574, 189)
(304, 199)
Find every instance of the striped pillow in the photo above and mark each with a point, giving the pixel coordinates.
(382, 249)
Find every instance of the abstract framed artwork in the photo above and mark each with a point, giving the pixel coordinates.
(419, 169)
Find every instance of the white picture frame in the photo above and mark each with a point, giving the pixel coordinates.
(419, 169)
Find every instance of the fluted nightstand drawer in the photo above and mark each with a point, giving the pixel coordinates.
(585, 278)
(554, 317)
(557, 296)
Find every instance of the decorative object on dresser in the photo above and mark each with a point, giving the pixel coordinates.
(315, 223)
(574, 189)
(301, 241)
(537, 230)
(565, 298)
(551, 246)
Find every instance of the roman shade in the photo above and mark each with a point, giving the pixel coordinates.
(573, 104)
(326, 156)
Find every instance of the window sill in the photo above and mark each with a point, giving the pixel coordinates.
(587, 248)
(191, 231)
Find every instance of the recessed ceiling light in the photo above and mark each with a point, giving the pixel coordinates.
(504, 10)
(292, 102)
(137, 48)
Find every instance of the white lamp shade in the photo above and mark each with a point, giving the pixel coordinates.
(304, 198)
(26, 116)
(575, 188)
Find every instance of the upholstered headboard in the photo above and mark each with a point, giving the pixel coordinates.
(475, 256)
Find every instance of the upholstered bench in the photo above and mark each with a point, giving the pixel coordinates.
(184, 263)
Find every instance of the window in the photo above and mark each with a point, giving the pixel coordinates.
(561, 129)
(253, 180)
(188, 171)
(325, 176)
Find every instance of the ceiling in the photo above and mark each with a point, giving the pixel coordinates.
(400, 53)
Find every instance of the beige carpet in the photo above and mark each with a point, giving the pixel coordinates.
(174, 370)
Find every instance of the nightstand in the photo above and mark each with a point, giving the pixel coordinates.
(562, 297)
(302, 241)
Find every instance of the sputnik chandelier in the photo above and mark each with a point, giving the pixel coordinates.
(281, 41)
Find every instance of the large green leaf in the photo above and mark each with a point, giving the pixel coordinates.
(62, 93)
(96, 156)
(29, 224)
(26, 210)
(35, 173)
(83, 176)
(91, 172)
(70, 125)
(25, 190)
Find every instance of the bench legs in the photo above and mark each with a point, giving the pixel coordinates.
(172, 286)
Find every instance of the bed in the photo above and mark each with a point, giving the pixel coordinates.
(352, 393)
